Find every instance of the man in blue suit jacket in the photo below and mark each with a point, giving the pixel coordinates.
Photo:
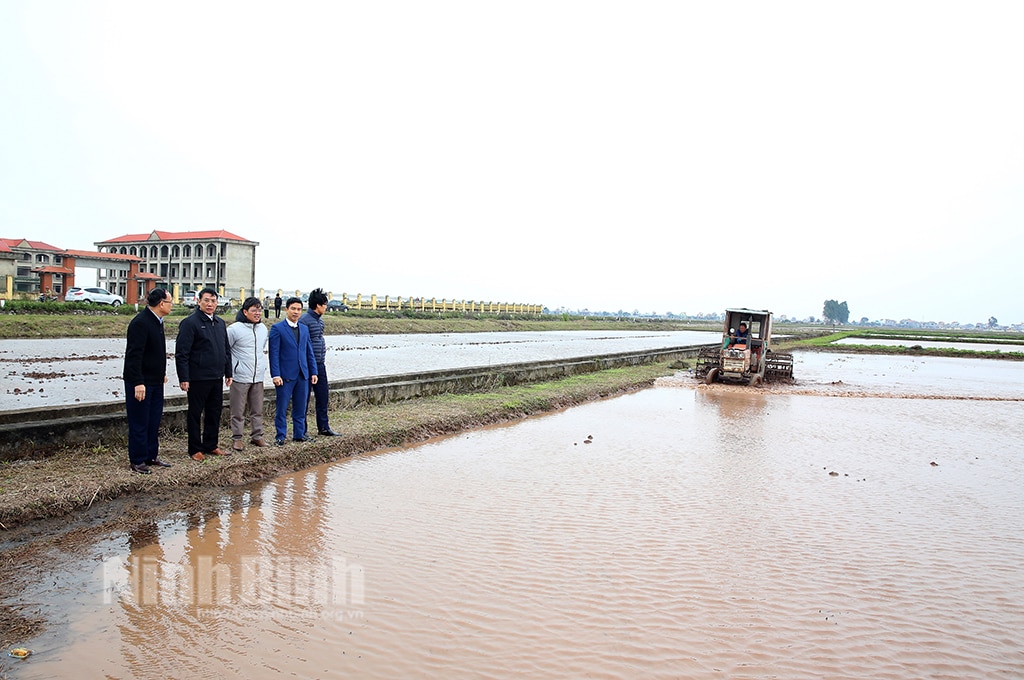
(293, 369)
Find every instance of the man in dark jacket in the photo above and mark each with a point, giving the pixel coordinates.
(145, 372)
(313, 319)
(203, 359)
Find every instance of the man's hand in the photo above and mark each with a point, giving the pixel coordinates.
(227, 382)
(278, 381)
(140, 392)
(183, 385)
(313, 380)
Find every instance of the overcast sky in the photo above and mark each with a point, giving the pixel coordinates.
(660, 156)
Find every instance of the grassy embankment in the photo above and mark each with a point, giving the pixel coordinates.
(59, 320)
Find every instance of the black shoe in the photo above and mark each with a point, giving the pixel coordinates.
(158, 463)
(328, 433)
(279, 442)
(141, 468)
(302, 439)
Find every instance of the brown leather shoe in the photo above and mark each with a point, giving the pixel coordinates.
(257, 442)
(237, 445)
(141, 468)
(218, 452)
(197, 456)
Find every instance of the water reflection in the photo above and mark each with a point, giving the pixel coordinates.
(676, 532)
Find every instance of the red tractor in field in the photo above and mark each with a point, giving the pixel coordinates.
(744, 355)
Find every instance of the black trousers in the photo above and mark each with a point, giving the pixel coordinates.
(144, 422)
(322, 393)
(205, 403)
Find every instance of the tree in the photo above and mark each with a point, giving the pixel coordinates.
(992, 322)
(836, 312)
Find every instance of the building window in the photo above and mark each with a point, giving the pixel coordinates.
(175, 251)
(42, 258)
(186, 251)
(133, 251)
(152, 252)
(211, 251)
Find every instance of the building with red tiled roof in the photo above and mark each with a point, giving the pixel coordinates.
(19, 256)
(24, 243)
(190, 260)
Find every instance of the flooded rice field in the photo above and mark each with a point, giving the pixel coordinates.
(42, 373)
(992, 346)
(863, 522)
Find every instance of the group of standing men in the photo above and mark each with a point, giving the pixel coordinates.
(208, 351)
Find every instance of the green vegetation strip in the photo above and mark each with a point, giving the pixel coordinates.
(826, 343)
(37, 320)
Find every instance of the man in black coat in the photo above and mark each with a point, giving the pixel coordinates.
(145, 372)
(203, 359)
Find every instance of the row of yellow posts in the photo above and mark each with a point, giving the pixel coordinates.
(387, 303)
(398, 303)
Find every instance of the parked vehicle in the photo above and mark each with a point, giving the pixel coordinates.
(744, 358)
(336, 306)
(190, 298)
(97, 295)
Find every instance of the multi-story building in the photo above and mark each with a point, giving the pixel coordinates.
(187, 260)
(19, 256)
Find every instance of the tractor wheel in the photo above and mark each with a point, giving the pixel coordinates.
(712, 375)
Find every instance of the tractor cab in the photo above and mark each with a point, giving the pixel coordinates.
(743, 355)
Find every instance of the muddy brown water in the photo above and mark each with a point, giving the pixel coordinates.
(864, 522)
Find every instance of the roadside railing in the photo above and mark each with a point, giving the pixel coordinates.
(396, 303)
(388, 303)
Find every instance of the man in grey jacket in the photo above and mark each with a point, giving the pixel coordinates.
(247, 338)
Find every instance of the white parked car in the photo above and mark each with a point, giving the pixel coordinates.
(97, 295)
(190, 298)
